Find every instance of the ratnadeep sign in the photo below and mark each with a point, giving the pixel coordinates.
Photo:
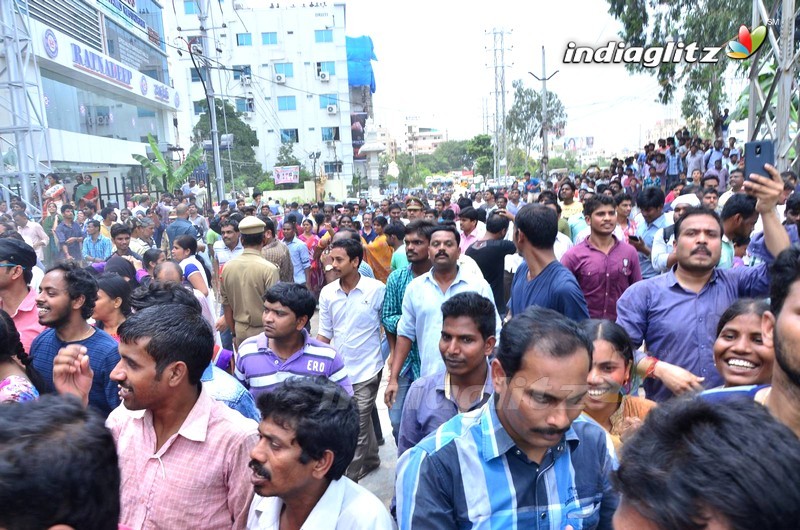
(286, 174)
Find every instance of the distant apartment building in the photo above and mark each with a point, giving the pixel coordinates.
(283, 67)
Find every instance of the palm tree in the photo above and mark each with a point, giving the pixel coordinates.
(161, 167)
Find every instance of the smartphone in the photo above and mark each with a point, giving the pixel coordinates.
(756, 154)
(635, 238)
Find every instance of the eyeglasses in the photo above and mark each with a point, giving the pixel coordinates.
(10, 265)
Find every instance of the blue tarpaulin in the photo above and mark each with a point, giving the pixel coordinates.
(359, 68)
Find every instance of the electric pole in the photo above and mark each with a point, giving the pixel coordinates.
(544, 79)
(500, 143)
(212, 107)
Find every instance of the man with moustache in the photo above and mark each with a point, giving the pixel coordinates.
(182, 454)
(526, 459)
(417, 241)
(307, 438)
(676, 314)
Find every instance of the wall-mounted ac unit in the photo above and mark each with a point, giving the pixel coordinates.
(324, 77)
(280, 79)
(333, 109)
(247, 115)
(246, 80)
(239, 5)
(330, 144)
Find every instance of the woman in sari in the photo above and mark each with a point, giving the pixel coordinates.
(378, 253)
(49, 224)
(311, 240)
(55, 192)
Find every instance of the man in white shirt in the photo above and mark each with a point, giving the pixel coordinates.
(350, 318)
(307, 438)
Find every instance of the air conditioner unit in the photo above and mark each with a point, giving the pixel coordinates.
(246, 80)
(330, 143)
(247, 115)
(333, 109)
(239, 5)
(324, 77)
(280, 79)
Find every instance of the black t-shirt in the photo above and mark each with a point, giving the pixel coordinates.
(489, 255)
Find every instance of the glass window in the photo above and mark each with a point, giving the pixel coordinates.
(327, 99)
(241, 69)
(332, 167)
(323, 35)
(190, 7)
(241, 105)
(330, 134)
(151, 12)
(287, 69)
(289, 135)
(199, 108)
(244, 39)
(86, 109)
(136, 53)
(270, 37)
(197, 75)
(287, 103)
(326, 66)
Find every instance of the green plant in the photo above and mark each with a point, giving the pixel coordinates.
(161, 167)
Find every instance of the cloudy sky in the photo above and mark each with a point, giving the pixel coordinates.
(434, 61)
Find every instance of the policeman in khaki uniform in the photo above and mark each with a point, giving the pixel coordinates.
(244, 281)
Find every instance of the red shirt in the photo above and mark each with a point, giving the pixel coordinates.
(26, 319)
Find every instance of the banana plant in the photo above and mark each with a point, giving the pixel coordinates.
(161, 167)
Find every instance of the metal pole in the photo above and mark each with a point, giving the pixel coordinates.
(786, 69)
(212, 108)
(545, 158)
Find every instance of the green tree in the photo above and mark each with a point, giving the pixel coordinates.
(242, 155)
(708, 23)
(524, 120)
(160, 168)
(452, 156)
(481, 154)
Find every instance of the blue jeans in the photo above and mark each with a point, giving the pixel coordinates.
(396, 412)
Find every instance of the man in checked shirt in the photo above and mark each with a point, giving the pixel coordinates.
(182, 455)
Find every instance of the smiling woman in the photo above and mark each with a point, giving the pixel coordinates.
(740, 355)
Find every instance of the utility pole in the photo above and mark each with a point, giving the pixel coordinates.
(500, 143)
(202, 16)
(544, 79)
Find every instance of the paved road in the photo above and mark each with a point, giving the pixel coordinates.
(381, 481)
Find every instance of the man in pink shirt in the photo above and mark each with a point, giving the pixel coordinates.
(17, 260)
(470, 228)
(32, 232)
(183, 456)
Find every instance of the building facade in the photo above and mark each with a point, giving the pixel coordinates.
(103, 83)
(283, 68)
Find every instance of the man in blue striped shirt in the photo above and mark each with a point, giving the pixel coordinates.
(526, 459)
(97, 247)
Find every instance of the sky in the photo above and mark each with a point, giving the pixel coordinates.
(435, 62)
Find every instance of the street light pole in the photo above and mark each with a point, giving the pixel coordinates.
(544, 79)
(212, 107)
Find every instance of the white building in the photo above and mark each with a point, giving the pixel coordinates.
(421, 140)
(100, 86)
(284, 68)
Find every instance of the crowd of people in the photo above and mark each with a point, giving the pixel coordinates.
(592, 351)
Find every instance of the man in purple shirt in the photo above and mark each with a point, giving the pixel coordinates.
(468, 338)
(603, 265)
(285, 349)
(676, 314)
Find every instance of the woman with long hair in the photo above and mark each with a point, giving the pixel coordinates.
(740, 355)
(49, 224)
(18, 378)
(184, 251)
(609, 400)
(152, 258)
(113, 304)
(55, 192)
(378, 254)
(307, 236)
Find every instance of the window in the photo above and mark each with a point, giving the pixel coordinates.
(326, 99)
(323, 35)
(332, 167)
(326, 66)
(197, 75)
(289, 135)
(244, 39)
(241, 105)
(240, 69)
(287, 69)
(330, 134)
(190, 7)
(270, 37)
(287, 103)
(199, 108)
